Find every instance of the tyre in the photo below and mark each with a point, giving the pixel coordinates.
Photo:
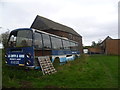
(56, 62)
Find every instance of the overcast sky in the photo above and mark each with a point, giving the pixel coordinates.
(92, 19)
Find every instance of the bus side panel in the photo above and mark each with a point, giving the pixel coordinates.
(64, 55)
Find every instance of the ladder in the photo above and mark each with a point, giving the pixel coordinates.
(46, 65)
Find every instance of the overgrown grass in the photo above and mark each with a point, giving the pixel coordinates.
(98, 71)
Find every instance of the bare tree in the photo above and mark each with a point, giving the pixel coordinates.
(0, 38)
(5, 37)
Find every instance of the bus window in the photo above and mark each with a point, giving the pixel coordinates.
(76, 46)
(37, 41)
(13, 38)
(24, 38)
(56, 43)
(12, 41)
(46, 41)
(66, 44)
(72, 46)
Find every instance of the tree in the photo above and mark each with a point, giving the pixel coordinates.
(93, 44)
(5, 37)
(99, 42)
(0, 38)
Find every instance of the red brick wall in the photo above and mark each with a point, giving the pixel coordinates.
(95, 50)
(112, 47)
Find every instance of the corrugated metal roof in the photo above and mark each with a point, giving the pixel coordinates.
(42, 23)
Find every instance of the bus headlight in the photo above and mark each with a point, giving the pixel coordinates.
(5, 55)
(28, 55)
(28, 62)
(6, 62)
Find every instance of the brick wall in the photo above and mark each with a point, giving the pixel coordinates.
(112, 47)
(95, 50)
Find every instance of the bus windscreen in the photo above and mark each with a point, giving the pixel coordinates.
(20, 38)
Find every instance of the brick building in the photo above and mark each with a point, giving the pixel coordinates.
(52, 27)
(108, 46)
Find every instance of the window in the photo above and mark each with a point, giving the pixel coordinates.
(12, 41)
(37, 41)
(56, 43)
(46, 41)
(66, 44)
(24, 38)
(72, 46)
(76, 46)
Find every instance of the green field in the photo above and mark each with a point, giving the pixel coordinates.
(97, 71)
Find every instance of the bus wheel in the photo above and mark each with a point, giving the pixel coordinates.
(56, 62)
(76, 56)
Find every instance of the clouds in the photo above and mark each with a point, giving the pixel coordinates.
(93, 19)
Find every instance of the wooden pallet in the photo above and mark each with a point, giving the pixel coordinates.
(46, 65)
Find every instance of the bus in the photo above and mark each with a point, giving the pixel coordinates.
(25, 45)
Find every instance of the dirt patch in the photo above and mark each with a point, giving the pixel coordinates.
(25, 84)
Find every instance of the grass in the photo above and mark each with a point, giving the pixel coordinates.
(97, 71)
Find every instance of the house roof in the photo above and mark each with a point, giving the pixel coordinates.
(107, 38)
(43, 24)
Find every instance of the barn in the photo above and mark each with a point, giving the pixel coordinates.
(49, 26)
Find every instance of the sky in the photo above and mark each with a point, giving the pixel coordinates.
(94, 20)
